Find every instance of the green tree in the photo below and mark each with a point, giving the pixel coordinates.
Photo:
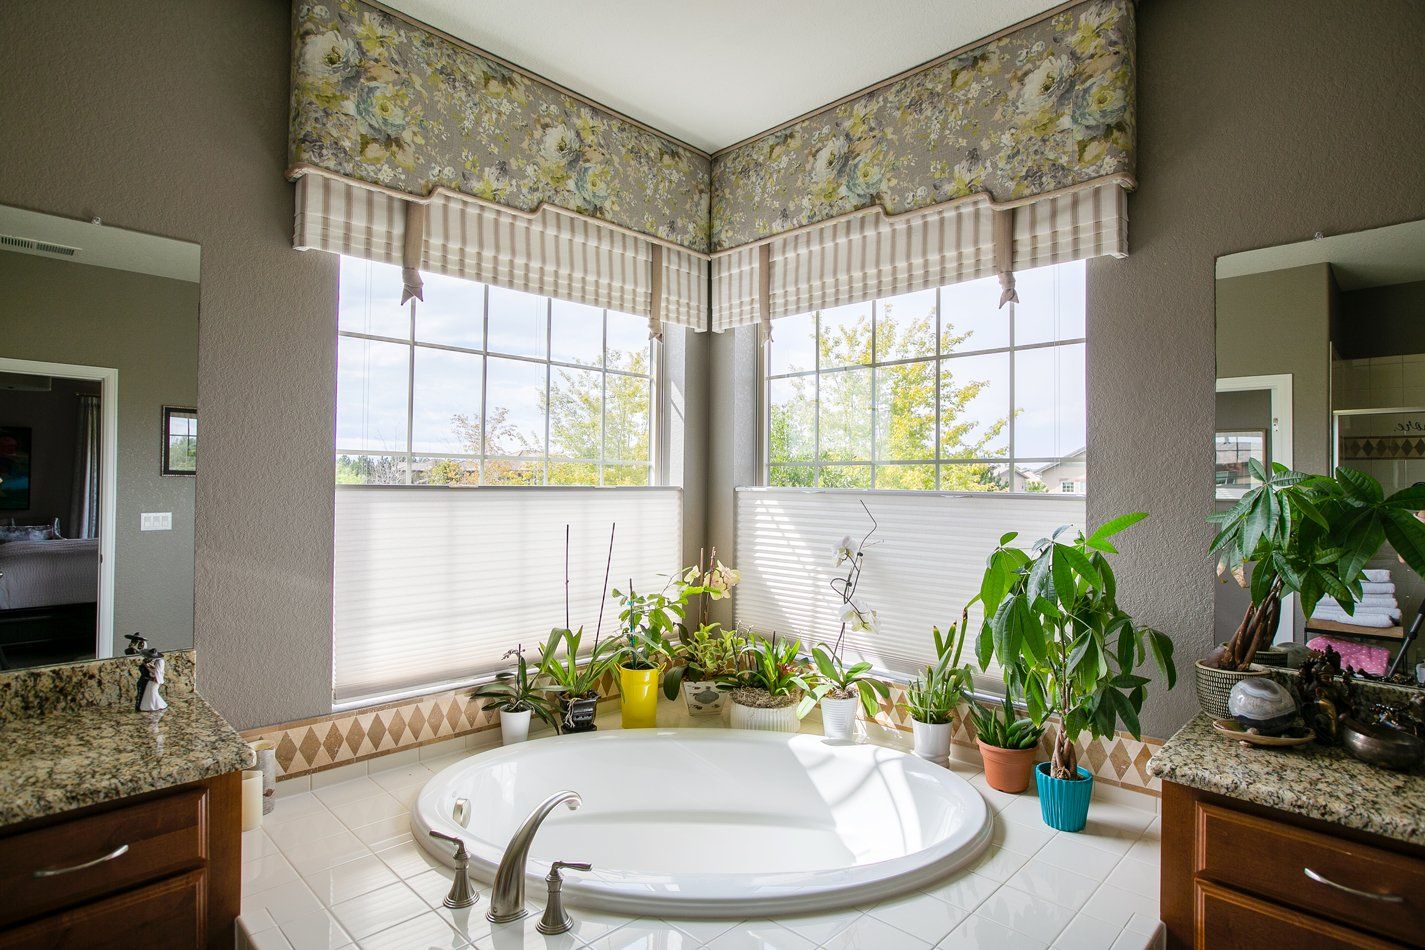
(906, 406)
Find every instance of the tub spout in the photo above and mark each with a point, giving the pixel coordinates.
(507, 901)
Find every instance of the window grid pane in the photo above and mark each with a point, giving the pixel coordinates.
(933, 390)
(418, 406)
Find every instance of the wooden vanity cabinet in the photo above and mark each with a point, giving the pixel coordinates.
(1235, 874)
(158, 870)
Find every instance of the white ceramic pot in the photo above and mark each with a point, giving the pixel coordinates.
(703, 697)
(932, 740)
(838, 717)
(783, 719)
(514, 726)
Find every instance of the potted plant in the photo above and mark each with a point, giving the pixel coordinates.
(933, 697)
(768, 685)
(1311, 535)
(1054, 623)
(651, 624)
(1007, 745)
(707, 653)
(839, 686)
(574, 678)
(517, 695)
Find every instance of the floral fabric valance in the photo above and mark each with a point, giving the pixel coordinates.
(1041, 109)
(381, 101)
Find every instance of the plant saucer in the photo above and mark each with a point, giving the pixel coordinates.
(1296, 735)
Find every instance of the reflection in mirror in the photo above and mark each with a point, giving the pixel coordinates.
(98, 439)
(1320, 363)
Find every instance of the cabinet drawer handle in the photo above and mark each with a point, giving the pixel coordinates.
(1320, 879)
(118, 852)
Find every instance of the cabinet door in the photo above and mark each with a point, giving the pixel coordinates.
(1227, 920)
(163, 916)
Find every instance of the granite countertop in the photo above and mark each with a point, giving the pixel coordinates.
(70, 737)
(1322, 782)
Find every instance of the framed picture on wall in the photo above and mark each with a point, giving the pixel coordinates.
(14, 468)
(180, 441)
(1235, 448)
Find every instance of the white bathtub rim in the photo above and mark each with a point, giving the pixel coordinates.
(727, 894)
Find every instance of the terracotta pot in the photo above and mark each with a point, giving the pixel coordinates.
(1007, 770)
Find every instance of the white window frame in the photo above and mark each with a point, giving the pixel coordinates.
(657, 427)
(1010, 460)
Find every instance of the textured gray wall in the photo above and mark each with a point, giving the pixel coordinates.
(1259, 124)
(146, 327)
(171, 118)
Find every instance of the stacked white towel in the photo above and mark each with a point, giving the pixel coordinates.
(1377, 606)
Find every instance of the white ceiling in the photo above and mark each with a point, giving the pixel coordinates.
(1374, 258)
(102, 246)
(713, 72)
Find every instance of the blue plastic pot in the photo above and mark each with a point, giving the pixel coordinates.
(1064, 803)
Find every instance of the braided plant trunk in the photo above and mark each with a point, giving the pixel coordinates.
(1065, 763)
(1255, 632)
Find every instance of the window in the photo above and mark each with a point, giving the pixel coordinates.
(477, 385)
(180, 442)
(934, 390)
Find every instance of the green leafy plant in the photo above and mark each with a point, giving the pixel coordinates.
(836, 678)
(707, 653)
(772, 665)
(1311, 535)
(1054, 624)
(518, 689)
(572, 675)
(933, 696)
(999, 726)
(652, 624)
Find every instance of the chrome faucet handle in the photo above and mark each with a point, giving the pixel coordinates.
(460, 895)
(556, 920)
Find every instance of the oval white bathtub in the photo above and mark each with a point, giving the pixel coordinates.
(712, 822)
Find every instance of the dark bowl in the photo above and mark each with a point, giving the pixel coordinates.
(1382, 745)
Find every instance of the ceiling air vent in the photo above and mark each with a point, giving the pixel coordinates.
(37, 247)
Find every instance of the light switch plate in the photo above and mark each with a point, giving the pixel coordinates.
(156, 521)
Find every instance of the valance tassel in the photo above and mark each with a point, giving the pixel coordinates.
(764, 292)
(414, 239)
(1003, 230)
(655, 304)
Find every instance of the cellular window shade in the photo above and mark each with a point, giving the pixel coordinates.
(433, 586)
(866, 256)
(552, 253)
(924, 564)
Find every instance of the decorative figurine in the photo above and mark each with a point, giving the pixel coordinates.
(137, 644)
(150, 679)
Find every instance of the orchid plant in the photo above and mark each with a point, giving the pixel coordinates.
(834, 677)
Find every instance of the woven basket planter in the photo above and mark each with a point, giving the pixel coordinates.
(1214, 686)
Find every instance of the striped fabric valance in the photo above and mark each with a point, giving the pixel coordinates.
(869, 256)
(566, 256)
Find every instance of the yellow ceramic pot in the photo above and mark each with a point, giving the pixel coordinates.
(640, 697)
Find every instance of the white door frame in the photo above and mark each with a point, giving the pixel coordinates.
(108, 379)
(1279, 388)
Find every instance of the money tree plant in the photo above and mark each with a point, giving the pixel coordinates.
(1053, 622)
(1311, 535)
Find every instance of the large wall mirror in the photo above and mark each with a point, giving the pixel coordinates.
(98, 438)
(1320, 363)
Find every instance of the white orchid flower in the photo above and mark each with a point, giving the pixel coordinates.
(845, 550)
(859, 618)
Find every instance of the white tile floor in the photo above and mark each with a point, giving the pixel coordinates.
(334, 866)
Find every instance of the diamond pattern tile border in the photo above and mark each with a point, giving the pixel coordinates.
(325, 742)
(314, 745)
